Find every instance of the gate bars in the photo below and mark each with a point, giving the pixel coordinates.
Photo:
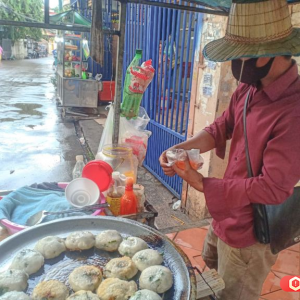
(167, 99)
(121, 44)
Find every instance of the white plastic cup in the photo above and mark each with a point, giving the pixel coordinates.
(82, 192)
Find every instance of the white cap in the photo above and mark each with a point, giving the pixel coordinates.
(115, 175)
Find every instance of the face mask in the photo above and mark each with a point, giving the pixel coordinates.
(247, 72)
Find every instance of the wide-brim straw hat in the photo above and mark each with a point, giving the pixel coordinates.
(256, 28)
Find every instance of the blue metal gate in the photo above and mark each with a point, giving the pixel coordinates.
(168, 37)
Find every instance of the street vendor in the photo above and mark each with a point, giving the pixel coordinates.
(261, 53)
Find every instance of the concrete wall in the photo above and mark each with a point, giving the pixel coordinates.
(211, 95)
(18, 50)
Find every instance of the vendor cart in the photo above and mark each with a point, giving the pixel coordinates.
(74, 88)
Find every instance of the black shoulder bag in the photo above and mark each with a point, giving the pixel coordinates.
(277, 225)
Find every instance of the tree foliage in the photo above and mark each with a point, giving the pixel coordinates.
(22, 10)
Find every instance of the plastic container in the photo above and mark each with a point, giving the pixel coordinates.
(100, 172)
(108, 91)
(128, 200)
(120, 158)
(81, 192)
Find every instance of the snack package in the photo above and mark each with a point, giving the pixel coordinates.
(178, 157)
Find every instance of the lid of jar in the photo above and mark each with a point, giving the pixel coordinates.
(100, 172)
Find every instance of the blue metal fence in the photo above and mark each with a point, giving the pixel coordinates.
(168, 37)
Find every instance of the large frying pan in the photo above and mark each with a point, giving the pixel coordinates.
(184, 287)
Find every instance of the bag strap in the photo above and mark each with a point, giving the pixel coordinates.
(249, 168)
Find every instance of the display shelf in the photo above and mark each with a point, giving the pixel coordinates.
(73, 91)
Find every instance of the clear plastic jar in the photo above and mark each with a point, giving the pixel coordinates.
(120, 158)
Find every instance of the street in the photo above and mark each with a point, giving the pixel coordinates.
(36, 145)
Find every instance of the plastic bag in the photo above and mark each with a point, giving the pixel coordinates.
(139, 143)
(132, 133)
(86, 49)
(178, 157)
(106, 137)
(135, 138)
(141, 121)
(196, 160)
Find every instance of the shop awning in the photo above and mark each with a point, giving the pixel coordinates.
(70, 17)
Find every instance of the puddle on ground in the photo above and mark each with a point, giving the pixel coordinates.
(7, 120)
(31, 126)
(28, 109)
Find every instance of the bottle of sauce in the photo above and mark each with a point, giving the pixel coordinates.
(128, 200)
(113, 197)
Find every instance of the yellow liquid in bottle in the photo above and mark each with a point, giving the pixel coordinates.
(130, 174)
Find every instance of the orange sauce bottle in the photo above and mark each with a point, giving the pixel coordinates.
(128, 200)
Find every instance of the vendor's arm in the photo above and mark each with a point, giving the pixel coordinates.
(280, 173)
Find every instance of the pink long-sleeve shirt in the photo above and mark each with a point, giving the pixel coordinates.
(273, 127)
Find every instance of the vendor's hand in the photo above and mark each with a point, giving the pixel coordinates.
(191, 176)
(169, 171)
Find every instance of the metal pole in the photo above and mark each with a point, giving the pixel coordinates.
(46, 11)
(54, 26)
(120, 55)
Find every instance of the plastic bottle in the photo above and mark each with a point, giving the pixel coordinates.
(78, 167)
(128, 200)
(113, 197)
(130, 99)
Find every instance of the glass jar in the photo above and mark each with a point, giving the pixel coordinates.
(120, 158)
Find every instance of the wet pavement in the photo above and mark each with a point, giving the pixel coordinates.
(36, 145)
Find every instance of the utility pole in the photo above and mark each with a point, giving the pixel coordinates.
(60, 5)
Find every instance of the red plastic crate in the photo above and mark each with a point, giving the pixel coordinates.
(108, 91)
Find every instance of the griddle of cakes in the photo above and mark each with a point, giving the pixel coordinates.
(13, 280)
(132, 245)
(121, 267)
(80, 240)
(108, 240)
(50, 246)
(15, 296)
(50, 290)
(147, 258)
(116, 289)
(28, 260)
(145, 295)
(85, 278)
(158, 279)
(83, 295)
